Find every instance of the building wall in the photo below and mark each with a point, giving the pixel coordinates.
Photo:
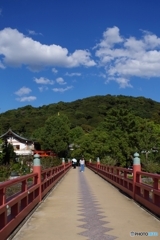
(21, 148)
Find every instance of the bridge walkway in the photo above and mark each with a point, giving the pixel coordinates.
(84, 206)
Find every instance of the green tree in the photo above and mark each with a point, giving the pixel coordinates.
(83, 147)
(8, 153)
(76, 133)
(37, 135)
(56, 135)
(149, 135)
(117, 125)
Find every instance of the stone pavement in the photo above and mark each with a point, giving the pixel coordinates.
(83, 206)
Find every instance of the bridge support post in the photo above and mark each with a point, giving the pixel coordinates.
(37, 169)
(136, 168)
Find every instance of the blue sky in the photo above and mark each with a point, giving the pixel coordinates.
(53, 51)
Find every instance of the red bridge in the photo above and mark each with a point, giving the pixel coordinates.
(100, 203)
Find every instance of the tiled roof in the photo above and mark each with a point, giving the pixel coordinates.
(10, 133)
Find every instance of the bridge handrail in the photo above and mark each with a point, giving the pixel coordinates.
(146, 193)
(31, 189)
(10, 182)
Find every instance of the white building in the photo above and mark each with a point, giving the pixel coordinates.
(21, 145)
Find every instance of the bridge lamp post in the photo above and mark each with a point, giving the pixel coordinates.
(98, 162)
(63, 161)
(136, 168)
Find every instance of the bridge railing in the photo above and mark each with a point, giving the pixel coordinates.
(18, 197)
(148, 192)
(115, 175)
(141, 186)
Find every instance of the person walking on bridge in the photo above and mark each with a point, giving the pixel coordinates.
(82, 164)
(74, 162)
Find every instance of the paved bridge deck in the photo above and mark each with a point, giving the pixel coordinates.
(84, 206)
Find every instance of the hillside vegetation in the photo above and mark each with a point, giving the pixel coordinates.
(87, 113)
(112, 128)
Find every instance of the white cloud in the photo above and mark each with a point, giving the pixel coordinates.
(18, 50)
(62, 89)
(54, 70)
(32, 32)
(73, 74)
(110, 38)
(81, 57)
(23, 91)
(2, 65)
(43, 88)
(60, 81)
(26, 99)
(102, 75)
(124, 58)
(43, 80)
(123, 82)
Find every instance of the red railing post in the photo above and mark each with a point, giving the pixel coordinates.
(37, 169)
(156, 198)
(3, 216)
(136, 168)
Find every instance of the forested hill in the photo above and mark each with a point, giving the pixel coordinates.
(87, 113)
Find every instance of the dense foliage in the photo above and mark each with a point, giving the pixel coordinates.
(87, 113)
(112, 128)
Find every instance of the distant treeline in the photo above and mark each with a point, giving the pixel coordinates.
(112, 128)
(86, 113)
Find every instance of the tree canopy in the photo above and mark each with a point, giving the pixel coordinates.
(56, 133)
(109, 127)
